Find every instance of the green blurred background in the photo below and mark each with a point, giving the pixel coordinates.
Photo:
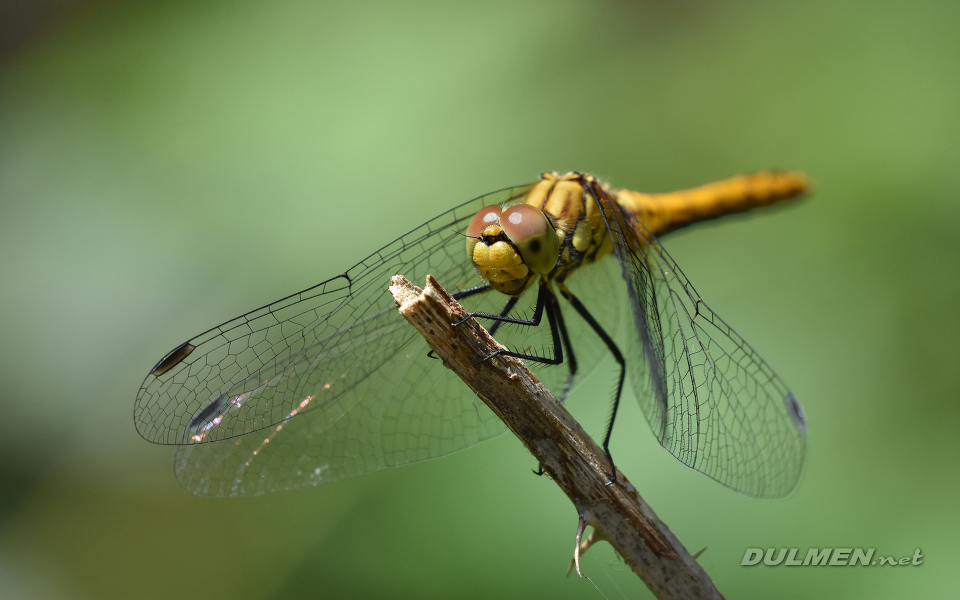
(165, 166)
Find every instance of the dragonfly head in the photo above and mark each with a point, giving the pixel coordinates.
(509, 247)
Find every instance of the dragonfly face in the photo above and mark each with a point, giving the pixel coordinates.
(510, 247)
(331, 382)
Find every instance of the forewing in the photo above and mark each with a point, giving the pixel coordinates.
(710, 399)
(339, 358)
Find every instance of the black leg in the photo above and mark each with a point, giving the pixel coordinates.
(617, 355)
(479, 289)
(496, 324)
(563, 337)
(542, 301)
(503, 313)
(537, 313)
(572, 360)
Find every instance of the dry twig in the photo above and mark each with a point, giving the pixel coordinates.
(564, 450)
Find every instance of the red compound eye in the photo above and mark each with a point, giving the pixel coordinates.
(488, 215)
(534, 236)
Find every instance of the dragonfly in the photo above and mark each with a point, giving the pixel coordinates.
(331, 382)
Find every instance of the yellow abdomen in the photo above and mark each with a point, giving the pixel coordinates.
(662, 213)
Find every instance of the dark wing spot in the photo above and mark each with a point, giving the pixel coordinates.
(795, 409)
(172, 359)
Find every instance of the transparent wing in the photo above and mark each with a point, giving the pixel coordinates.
(710, 399)
(339, 358)
(410, 408)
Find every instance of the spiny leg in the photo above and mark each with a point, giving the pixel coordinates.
(537, 313)
(511, 302)
(572, 361)
(558, 331)
(504, 312)
(617, 355)
(477, 289)
(542, 301)
(460, 295)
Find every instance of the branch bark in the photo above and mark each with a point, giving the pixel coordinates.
(572, 459)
